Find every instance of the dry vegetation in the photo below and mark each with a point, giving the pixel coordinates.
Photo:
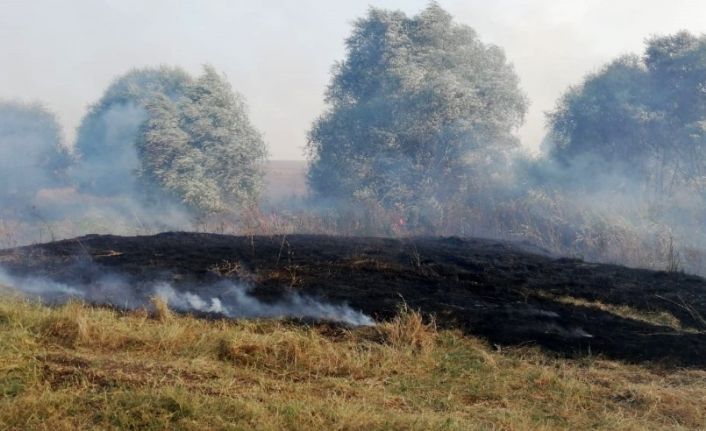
(537, 220)
(660, 318)
(80, 367)
(549, 221)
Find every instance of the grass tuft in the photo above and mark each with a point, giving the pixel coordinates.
(408, 330)
(161, 311)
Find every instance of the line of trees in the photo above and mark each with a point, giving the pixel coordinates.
(420, 114)
(157, 134)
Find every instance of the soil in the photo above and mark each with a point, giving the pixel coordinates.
(497, 290)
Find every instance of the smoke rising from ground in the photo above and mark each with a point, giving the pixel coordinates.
(232, 300)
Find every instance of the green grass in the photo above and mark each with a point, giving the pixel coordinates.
(81, 367)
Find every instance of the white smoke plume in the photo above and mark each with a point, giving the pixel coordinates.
(39, 287)
(236, 302)
(233, 301)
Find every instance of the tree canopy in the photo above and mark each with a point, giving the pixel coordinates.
(201, 147)
(418, 107)
(106, 137)
(644, 117)
(164, 135)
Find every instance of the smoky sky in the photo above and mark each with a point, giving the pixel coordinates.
(278, 53)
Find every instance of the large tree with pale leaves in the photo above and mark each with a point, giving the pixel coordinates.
(167, 136)
(419, 110)
(105, 141)
(202, 147)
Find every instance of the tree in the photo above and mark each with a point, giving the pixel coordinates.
(32, 153)
(106, 138)
(419, 109)
(202, 148)
(643, 118)
(677, 68)
(164, 135)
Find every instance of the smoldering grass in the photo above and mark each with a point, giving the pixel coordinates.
(233, 300)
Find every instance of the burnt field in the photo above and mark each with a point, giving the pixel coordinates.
(509, 294)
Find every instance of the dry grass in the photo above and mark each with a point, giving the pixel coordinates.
(661, 318)
(79, 367)
(161, 310)
(549, 220)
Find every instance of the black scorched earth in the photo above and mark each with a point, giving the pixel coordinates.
(508, 293)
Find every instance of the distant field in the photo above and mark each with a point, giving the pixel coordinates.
(285, 179)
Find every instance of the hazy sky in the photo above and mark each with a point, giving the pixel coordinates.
(279, 53)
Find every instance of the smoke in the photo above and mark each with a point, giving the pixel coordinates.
(38, 287)
(230, 300)
(46, 193)
(32, 153)
(111, 154)
(235, 302)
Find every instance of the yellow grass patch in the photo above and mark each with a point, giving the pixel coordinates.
(81, 367)
(662, 318)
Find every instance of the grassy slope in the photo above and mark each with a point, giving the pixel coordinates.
(83, 367)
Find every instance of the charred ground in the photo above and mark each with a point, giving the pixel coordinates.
(510, 294)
